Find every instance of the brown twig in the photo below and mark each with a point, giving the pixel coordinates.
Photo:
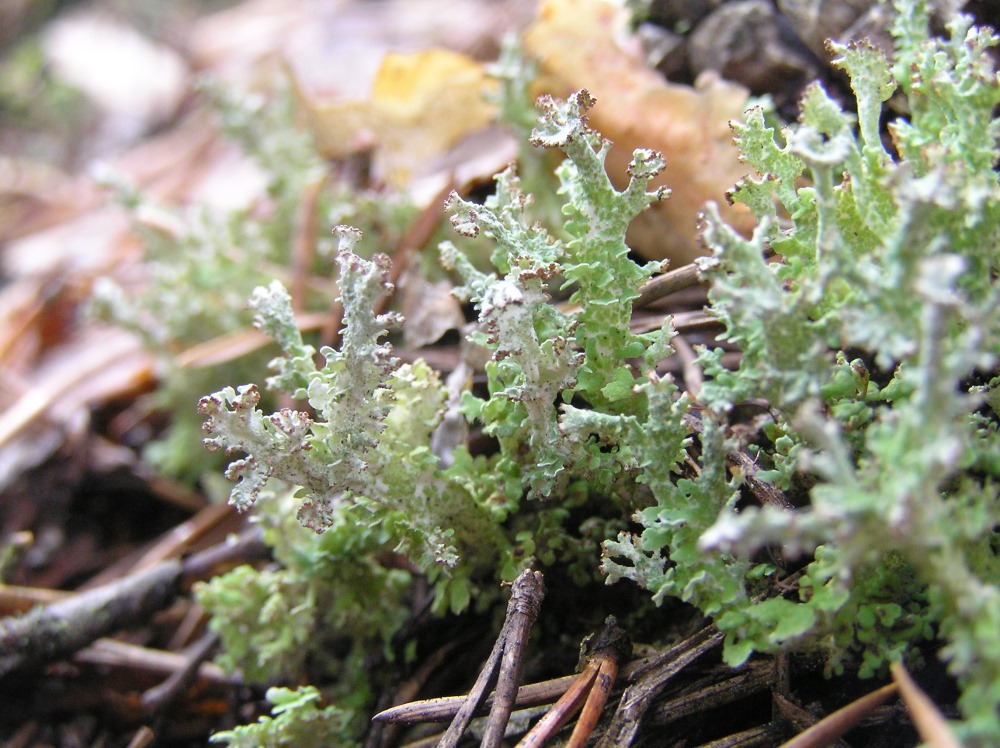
(503, 665)
(416, 237)
(16, 599)
(756, 677)
(693, 378)
(766, 493)
(304, 239)
(53, 631)
(172, 544)
(763, 736)
(160, 697)
(800, 719)
(682, 322)
(50, 632)
(445, 707)
(385, 731)
(590, 715)
(668, 283)
(562, 711)
(111, 653)
(144, 736)
(650, 681)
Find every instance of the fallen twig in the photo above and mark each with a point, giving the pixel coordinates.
(159, 698)
(763, 736)
(790, 712)
(445, 707)
(503, 665)
(650, 681)
(111, 653)
(668, 283)
(50, 632)
(754, 678)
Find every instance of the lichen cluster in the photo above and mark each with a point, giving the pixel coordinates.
(863, 306)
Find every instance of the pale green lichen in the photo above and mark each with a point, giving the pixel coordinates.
(893, 256)
(542, 355)
(295, 720)
(339, 455)
(864, 306)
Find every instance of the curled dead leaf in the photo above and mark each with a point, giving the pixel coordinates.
(574, 42)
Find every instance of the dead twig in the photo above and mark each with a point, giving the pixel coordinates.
(161, 697)
(670, 282)
(445, 707)
(304, 239)
(800, 719)
(693, 378)
(50, 632)
(385, 731)
(649, 681)
(503, 665)
(561, 712)
(763, 736)
(753, 678)
(766, 493)
(111, 653)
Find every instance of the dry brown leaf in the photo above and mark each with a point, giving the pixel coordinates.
(97, 365)
(429, 307)
(86, 246)
(35, 195)
(636, 108)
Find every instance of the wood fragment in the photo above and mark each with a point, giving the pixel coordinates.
(502, 666)
(753, 678)
(670, 282)
(650, 681)
(51, 632)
